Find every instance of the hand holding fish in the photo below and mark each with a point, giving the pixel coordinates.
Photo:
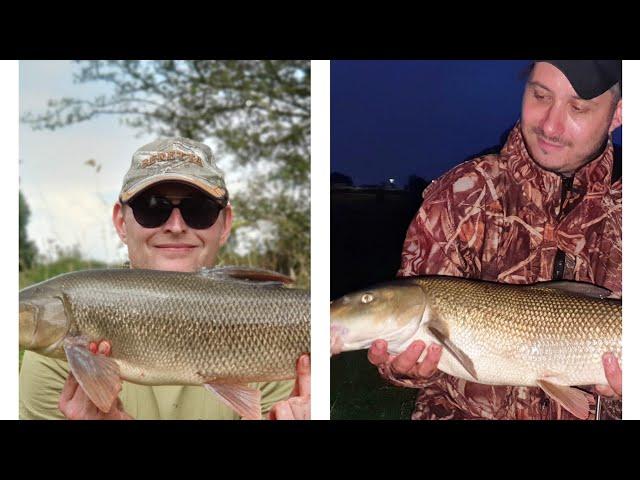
(298, 405)
(406, 363)
(215, 341)
(613, 373)
(76, 405)
(548, 335)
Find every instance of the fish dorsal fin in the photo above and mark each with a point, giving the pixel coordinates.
(572, 399)
(440, 331)
(246, 274)
(98, 376)
(576, 288)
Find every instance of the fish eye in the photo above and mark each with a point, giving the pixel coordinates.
(367, 298)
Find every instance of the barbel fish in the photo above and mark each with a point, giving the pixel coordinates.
(550, 335)
(221, 328)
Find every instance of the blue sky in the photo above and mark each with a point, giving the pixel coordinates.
(70, 202)
(390, 119)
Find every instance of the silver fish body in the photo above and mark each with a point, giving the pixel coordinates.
(171, 328)
(535, 335)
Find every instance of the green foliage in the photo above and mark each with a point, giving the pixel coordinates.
(270, 260)
(69, 262)
(27, 249)
(258, 112)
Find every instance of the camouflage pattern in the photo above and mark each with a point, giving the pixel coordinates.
(502, 218)
(174, 159)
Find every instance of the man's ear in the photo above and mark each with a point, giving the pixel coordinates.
(226, 215)
(118, 221)
(616, 121)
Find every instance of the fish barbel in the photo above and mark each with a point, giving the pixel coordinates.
(220, 328)
(550, 335)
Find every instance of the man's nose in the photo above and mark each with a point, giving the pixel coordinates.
(175, 223)
(553, 122)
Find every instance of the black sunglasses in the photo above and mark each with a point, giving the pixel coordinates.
(152, 211)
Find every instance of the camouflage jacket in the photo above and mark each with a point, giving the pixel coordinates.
(502, 218)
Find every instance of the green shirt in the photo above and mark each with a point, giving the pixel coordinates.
(42, 379)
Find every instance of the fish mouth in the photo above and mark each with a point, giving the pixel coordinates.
(43, 324)
(337, 334)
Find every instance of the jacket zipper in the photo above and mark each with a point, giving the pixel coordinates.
(559, 261)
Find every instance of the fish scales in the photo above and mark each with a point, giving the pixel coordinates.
(511, 334)
(516, 335)
(177, 328)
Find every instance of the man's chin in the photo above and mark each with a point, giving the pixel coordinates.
(548, 161)
(545, 160)
(551, 164)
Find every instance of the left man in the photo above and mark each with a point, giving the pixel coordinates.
(173, 213)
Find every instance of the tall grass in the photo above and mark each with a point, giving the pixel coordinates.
(267, 260)
(43, 271)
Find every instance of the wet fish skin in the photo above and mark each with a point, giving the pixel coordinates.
(172, 328)
(504, 334)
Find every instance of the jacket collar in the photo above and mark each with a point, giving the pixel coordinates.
(593, 177)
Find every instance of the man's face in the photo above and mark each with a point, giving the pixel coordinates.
(174, 245)
(562, 131)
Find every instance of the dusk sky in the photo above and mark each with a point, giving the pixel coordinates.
(391, 119)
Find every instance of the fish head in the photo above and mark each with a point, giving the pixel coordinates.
(392, 312)
(43, 320)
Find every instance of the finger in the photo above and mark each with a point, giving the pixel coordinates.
(302, 387)
(69, 388)
(300, 407)
(613, 372)
(117, 411)
(93, 347)
(75, 403)
(282, 411)
(407, 359)
(104, 348)
(83, 405)
(429, 365)
(605, 391)
(378, 353)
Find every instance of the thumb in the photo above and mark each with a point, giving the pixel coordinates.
(302, 387)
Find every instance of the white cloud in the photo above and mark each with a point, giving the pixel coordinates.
(70, 203)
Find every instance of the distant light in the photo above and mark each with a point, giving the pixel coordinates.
(392, 180)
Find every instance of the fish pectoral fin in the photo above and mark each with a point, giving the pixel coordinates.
(241, 398)
(437, 328)
(98, 376)
(572, 399)
(246, 274)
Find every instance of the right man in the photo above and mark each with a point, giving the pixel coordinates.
(547, 207)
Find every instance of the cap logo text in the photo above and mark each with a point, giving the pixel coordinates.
(169, 156)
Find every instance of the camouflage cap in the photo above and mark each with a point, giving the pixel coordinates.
(174, 159)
